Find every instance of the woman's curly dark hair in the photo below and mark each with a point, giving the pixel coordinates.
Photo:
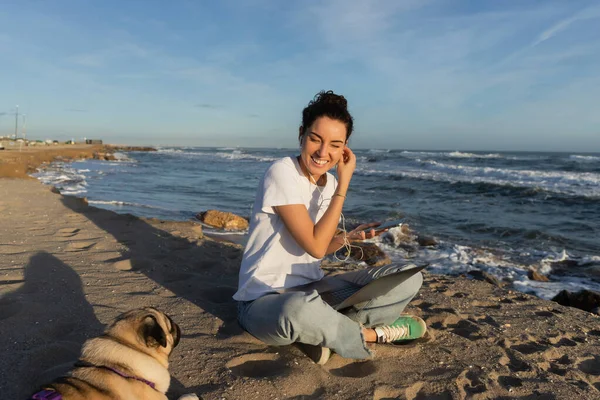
(327, 104)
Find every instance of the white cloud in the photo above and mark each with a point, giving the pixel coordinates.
(588, 13)
(555, 29)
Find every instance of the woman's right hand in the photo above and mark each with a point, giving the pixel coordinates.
(346, 165)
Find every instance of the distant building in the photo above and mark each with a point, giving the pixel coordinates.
(93, 141)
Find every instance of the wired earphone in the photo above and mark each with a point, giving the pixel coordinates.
(346, 245)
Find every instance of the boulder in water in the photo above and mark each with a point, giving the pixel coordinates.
(534, 275)
(427, 241)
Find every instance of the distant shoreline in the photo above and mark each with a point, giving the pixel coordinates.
(19, 162)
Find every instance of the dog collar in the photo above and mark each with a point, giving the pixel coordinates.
(116, 371)
(47, 394)
(124, 375)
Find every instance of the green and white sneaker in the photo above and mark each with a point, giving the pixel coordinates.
(404, 328)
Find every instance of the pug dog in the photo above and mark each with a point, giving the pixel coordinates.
(129, 361)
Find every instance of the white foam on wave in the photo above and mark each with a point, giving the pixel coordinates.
(68, 180)
(123, 157)
(453, 259)
(452, 154)
(586, 184)
(240, 155)
(460, 154)
(73, 191)
(121, 203)
(547, 290)
(233, 154)
(111, 202)
(585, 159)
(417, 154)
(529, 157)
(186, 153)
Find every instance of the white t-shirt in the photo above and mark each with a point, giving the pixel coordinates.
(273, 259)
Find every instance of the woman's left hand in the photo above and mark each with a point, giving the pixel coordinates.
(362, 232)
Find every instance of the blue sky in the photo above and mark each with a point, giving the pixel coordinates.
(418, 74)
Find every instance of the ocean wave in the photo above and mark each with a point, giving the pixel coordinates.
(122, 157)
(64, 177)
(240, 155)
(169, 150)
(452, 154)
(235, 154)
(459, 154)
(200, 153)
(586, 159)
(417, 154)
(530, 157)
(506, 265)
(584, 184)
(58, 175)
(122, 203)
(73, 192)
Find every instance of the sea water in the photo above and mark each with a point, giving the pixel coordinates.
(499, 212)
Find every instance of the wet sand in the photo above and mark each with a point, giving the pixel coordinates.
(66, 269)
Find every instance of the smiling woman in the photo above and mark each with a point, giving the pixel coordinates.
(293, 225)
(322, 146)
(325, 130)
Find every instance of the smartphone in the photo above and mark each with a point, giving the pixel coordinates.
(385, 225)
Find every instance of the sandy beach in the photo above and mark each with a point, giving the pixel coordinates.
(67, 269)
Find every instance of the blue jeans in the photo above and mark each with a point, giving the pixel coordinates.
(282, 319)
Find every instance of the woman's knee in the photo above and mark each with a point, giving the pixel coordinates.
(280, 321)
(410, 287)
(300, 305)
(414, 283)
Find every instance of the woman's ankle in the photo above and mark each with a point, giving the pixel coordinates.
(370, 335)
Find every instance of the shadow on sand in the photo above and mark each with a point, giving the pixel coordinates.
(206, 274)
(43, 325)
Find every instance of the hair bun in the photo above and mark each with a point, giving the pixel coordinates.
(327, 104)
(329, 98)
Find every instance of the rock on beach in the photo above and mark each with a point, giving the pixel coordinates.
(223, 220)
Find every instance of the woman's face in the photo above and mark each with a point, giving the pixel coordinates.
(322, 145)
